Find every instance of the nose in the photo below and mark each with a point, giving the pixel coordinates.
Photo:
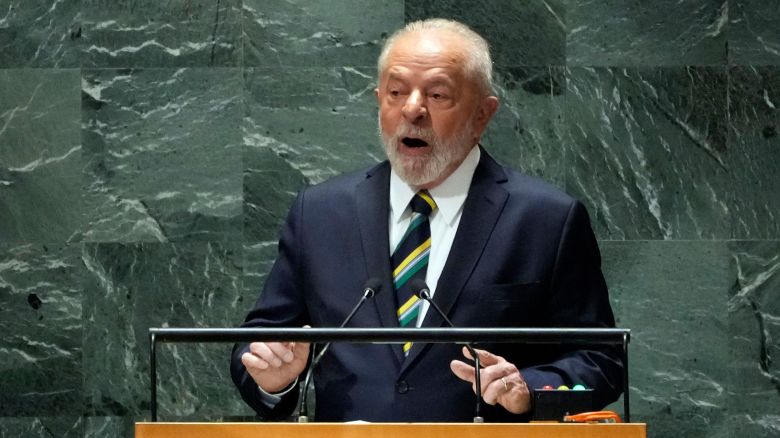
(414, 109)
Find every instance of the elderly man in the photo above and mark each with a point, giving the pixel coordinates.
(495, 247)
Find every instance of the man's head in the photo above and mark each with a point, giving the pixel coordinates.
(435, 98)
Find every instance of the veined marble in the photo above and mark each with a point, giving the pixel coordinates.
(155, 196)
(43, 427)
(41, 34)
(520, 33)
(133, 287)
(671, 296)
(754, 151)
(40, 156)
(640, 33)
(526, 133)
(754, 328)
(162, 154)
(754, 36)
(41, 315)
(308, 33)
(150, 33)
(648, 152)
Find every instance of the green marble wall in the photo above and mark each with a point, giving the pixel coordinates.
(150, 149)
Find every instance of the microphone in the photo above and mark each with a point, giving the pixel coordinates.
(370, 288)
(424, 293)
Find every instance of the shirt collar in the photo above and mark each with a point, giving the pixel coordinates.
(449, 196)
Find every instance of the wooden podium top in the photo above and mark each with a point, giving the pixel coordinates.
(390, 430)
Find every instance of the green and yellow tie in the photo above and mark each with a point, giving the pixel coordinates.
(410, 260)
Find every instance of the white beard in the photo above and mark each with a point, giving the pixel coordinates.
(422, 170)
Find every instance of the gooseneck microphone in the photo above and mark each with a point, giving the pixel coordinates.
(370, 288)
(424, 293)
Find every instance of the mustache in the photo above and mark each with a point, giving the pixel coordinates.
(412, 131)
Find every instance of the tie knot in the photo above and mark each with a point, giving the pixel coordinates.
(423, 203)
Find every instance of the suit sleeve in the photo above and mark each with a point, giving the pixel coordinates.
(579, 298)
(281, 304)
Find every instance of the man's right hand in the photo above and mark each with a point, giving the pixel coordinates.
(275, 365)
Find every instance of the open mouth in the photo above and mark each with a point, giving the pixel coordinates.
(414, 142)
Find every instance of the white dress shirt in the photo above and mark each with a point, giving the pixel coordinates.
(449, 196)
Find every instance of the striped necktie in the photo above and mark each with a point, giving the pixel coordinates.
(410, 260)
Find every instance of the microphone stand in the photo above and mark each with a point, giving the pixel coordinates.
(424, 294)
(371, 286)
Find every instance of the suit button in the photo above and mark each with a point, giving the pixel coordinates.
(402, 387)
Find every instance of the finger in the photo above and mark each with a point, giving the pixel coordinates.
(264, 351)
(251, 362)
(517, 399)
(486, 358)
(462, 371)
(496, 372)
(304, 347)
(301, 350)
(494, 390)
(282, 350)
(467, 353)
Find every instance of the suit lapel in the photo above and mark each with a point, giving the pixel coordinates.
(373, 210)
(483, 206)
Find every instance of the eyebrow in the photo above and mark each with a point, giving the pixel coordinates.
(441, 80)
(395, 76)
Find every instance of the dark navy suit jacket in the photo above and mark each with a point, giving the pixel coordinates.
(524, 256)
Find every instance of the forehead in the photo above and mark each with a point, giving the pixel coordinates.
(434, 51)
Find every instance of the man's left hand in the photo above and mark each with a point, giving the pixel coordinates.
(501, 382)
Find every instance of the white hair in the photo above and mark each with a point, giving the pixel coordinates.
(479, 66)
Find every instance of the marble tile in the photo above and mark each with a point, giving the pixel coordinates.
(40, 156)
(754, 36)
(754, 328)
(270, 186)
(207, 160)
(258, 260)
(43, 427)
(657, 33)
(138, 286)
(648, 151)
(520, 33)
(99, 427)
(39, 33)
(320, 121)
(526, 132)
(302, 126)
(754, 151)
(148, 33)
(163, 154)
(40, 318)
(672, 296)
(306, 33)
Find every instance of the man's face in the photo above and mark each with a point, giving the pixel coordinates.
(430, 113)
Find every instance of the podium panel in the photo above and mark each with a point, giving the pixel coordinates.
(390, 430)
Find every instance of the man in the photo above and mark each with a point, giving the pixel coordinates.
(497, 248)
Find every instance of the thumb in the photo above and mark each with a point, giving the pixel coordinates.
(301, 349)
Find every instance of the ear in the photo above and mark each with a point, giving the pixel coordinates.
(376, 93)
(485, 111)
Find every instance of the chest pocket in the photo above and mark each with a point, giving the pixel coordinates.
(502, 305)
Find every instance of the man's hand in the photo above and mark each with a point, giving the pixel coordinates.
(501, 382)
(274, 365)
